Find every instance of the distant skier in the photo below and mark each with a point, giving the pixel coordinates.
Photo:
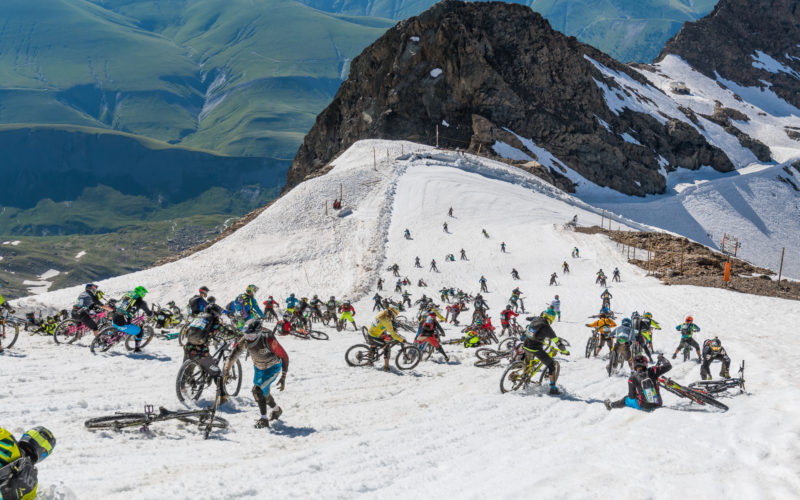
(482, 281)
(576, 253)
(450, 212)
(503, 247)
(433, 266)
(416, 263)
(444, 227)
(407, 234)
(485, 234)
(396, 270)
(565, 267)
(553, 279)
(555, 305)
(380, 283)
(514, 274)
(463, 254)
(615, 275)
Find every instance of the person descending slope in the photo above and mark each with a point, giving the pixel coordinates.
(555, 305)
(482, 281)
(615, 275)
(576, 253)
(407, 234)
(643, 390)
(87, 304)
(505, 319)
(416, 263)
(503, 247)
(553, 278)
(429, 331)
(514, 274)
(565, 267)
(433, 266)
(687, 329)
(380, 284)
(269, 360)
(444, 227)
(463, 254)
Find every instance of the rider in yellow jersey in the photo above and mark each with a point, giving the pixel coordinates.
(382, 331)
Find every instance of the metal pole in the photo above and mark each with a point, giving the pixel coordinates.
(603, 219)
(780, 271)
(374, 160)
(326, 207)
(683, 242)
(437, 136)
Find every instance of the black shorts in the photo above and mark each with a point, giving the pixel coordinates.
(84, 317)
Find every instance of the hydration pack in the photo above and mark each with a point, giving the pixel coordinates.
(649, 392)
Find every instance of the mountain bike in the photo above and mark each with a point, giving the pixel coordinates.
(195, 375)
(364, 355)
(687, 350)
(9, 329)
(329, 317)
(491, 357)
(166, 317)
(689, 393)
(722, 385)
(71, 330)
(617, 359)
(301, 331)
(110, 336)
(591, 344)
(205, 419)
(520, 374)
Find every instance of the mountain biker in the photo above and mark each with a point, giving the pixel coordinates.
(453, 311)
(4, 305)
(482, 281)
(126, 309)
(407, 234)
(269, 308)
(246, 306)
(382, 331)
(315, 304)
(300, 311)
(537, 331)
(604, 326)
(687, 329)
(406, 298)
(713, 350)
(638, 330)
(421, 283)
(331, 306)
(429, 331)
(380, 283)
(514, 274)
(416, 263)
(505, 319)
(19, 478)
(291, 302)
(615, 275)
(198, 303)
(433, 266)
(600, 276)
(378, 305)
(198, 333)
(576, 253)
(398, 287)
(88, 302)
(606, 298)
(347, 312)
(463, 254)
(555, 305)
(269, 359)
(553, 279)
(648, 325)
(643, 390)
(284, 325)
(503, 247)
(444, 227)
(623, 336)
(485, 234)
(395, 270)
(565, 267)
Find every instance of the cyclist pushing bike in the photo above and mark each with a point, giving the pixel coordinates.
(269, 360)
(429, 331)
(198, 333)
(126, 309)
(537, 331)
(687, 329)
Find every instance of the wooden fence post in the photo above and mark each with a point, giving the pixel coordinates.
(683, 243)
(326, 207)
(479, 149)
(780, 271)
(387, 157)
(437, 136)
(603, 219)
(341, 196)
(374, 160)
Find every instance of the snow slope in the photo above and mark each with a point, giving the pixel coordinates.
(442, 430)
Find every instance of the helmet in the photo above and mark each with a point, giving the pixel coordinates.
(556, 297)
(9, 451)
(140, 291)
(716, 345)
(689, 319)
(304, 299)
(606, 310)
(346, 302)
(548, 315)
(286, 315)
(212, 300)
(508, 307)
(316, 296)
(639, 361)
(626, 322)
(291, 295)
(270, 296)
(393, 311)
(635, 314)
(39, 442)
(252, 330)
(647, 315)
(333, 297)
(90, 286)
(203, 290)
(251, 289)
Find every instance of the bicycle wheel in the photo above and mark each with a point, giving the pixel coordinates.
(706, 399)
(318, 335)
(66, 332)
(117, 421)
(191, 382)
(408, 357)
(612, 363)
(484, 363)
(492, 337)
(513, 378)
(590, 346)
(546, 373)
(484, 353)
(103, 341)
(505, 345)
(686, 354)
(195, 417)
(10, 334)
(233, 382)
(358, 355)
(147, 336)
(184, 335)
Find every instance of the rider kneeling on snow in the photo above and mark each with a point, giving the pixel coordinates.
(643, 391)
(537, 331)
(713, 350)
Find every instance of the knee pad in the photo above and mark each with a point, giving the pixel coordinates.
(258, 394)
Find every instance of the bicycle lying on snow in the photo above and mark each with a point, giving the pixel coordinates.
(722, 385)
(204, 419)
(695, 395)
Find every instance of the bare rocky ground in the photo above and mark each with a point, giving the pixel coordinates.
(699, 266)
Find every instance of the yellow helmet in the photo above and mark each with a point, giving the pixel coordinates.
(9, 450)
(393, 310)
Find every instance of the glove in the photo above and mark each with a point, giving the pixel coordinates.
(282, 382)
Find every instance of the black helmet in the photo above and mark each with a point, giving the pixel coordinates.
(203, 289)
(640, 361)
(716, 345)
(212, 300)
(90, 287)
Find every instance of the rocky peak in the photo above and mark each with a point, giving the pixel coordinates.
(495, 76)
(748, 42)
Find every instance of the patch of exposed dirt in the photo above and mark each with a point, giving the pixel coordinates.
(678, 261)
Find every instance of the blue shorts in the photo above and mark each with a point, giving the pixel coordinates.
(264, 378)
(634, 403)
(130, 330)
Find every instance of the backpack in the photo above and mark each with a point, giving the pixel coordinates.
(196, 332)
(649, 391)
(127, 304)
